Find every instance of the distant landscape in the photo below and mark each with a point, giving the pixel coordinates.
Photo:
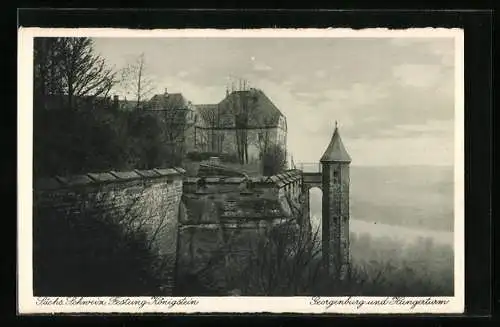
(417, 197)
(401, 224)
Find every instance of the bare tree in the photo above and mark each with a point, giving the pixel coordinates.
(47, 73)
(135, 81)
(265, 136)
(273, 160)
(211, 116)
(241, 102)
(131, 258)
(69, 67)
(176, 122)
(175, 118)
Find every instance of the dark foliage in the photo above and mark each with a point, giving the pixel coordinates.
(70, 142)
(273, 160)
(68, 68)
(73, 142)
(84, 254)
(288, 263)
(78, 129)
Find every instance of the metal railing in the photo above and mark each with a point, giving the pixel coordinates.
(309, 167)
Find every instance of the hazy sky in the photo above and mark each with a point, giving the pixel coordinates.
(393, 97)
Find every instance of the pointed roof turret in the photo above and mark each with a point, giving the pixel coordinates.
(336, 152)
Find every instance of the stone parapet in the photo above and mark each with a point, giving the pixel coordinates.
(93, 179)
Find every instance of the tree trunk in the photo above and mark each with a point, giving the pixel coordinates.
(213, 141)
(70, 97)
(246, 146)
(139, 79)
(238, 152)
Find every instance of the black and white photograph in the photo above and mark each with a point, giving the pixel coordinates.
(272, 170)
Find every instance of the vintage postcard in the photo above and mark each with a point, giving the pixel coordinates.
(269, 170)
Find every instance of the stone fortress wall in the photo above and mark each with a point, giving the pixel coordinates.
(147, 201)
(191, 221)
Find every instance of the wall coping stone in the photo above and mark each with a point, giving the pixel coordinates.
(287, 178)
(180, 170)
(75, 180)
(191, 180)
(101, 177)
(279, 180)
(212, 179)
(51, 183)
(130, 175)
(166, 171)
(284, 177)
(147, 173)
(203, 191)
(273, 178)
(279, 177)
(280, 183)
(235, 180)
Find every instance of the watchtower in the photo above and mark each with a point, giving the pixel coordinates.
(335, 212)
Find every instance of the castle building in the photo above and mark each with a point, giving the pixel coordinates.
(335, 207)
(178, 115)
(246, 118)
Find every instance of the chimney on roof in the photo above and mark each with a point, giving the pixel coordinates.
(165, 92)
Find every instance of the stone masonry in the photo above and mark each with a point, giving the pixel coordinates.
(223, 219)
(146, 200)
(335, 212)
(195, 221)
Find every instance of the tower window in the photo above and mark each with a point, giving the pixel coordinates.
(336, 176)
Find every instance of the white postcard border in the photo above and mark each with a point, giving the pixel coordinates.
(28, 304)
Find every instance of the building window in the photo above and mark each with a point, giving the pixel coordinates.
(261, 136)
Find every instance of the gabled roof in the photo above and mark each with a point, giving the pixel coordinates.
(202, 108)
(262, 112)
(167, 101)
(336, 152)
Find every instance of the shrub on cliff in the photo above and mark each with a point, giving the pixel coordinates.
(68, 142)
(73, 142)
(87, 253)
(288, 263)
(293, 267)
(273, 160)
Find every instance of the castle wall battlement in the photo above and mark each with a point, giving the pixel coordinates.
(189, 219)
(289, 181)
